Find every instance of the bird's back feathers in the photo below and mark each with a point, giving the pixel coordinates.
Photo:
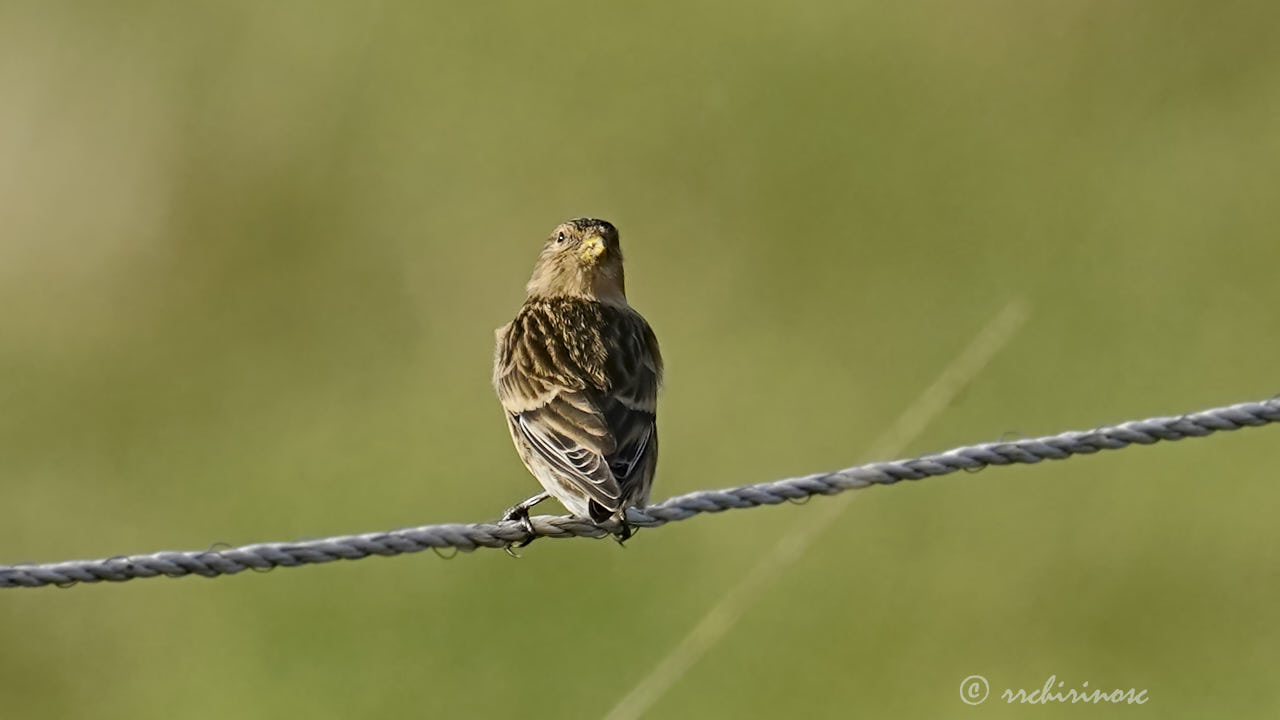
(579, 381)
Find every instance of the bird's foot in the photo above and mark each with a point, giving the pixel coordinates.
(623, 534)
(520, 513)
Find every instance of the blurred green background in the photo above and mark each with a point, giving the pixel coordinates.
(252, 255)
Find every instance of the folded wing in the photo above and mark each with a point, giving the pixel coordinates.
(550, 406)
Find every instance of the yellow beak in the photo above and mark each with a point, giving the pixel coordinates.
(592, 248)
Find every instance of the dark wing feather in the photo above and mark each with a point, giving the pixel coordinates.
(635, 373)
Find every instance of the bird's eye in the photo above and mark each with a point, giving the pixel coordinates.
(560, 238)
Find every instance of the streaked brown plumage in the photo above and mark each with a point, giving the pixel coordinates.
(577, 372)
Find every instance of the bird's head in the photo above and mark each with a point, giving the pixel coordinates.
(582, 258)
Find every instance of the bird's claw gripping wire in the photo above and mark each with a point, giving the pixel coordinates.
(520, 513)
(623, 534)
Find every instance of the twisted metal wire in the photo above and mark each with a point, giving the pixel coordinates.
(468, 537)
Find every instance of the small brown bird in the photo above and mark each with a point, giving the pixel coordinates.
(578, 371)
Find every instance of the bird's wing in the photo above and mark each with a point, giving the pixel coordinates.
(635, 373)
(637, 437)
(554, 412)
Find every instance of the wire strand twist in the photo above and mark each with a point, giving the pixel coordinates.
(468, 537)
